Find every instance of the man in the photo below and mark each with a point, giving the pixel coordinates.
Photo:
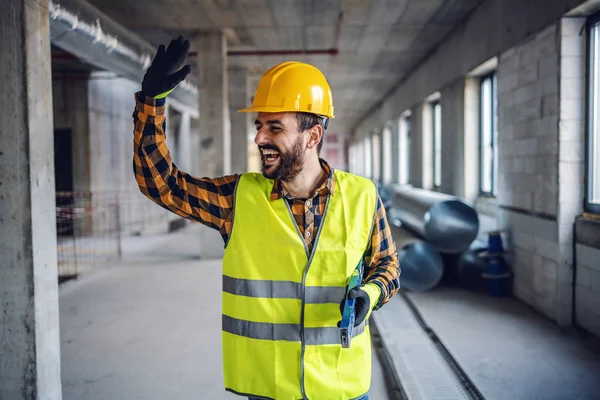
(293, 235)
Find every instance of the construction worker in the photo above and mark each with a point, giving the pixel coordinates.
(294, 235)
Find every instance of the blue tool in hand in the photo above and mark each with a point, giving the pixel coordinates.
(349, 313)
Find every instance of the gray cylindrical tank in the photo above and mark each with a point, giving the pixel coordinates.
(420, 264)
(445, 222)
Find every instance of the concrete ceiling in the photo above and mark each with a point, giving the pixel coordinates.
(379, 43)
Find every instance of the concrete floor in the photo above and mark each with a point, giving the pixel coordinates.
(510, 351)
(149, 327)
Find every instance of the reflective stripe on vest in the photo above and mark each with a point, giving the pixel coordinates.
(283, 290)
(287, 332)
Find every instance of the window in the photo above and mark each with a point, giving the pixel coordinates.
(404, 144)
(387, 155)
(592, 196)
(488, 136)
(376, 158)
(368, 167)
(437, 143)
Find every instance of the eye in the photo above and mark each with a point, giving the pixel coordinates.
(275, 129)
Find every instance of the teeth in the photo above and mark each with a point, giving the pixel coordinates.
(270, 152)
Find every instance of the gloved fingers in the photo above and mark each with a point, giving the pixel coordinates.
(177, 77)
(159, 55)
(181, 55)
(362, 310)
(174, 45)
(177, 53)
(356, 292)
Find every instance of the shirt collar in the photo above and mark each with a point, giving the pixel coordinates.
(328, 185)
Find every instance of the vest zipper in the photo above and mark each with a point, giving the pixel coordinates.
(310, 258)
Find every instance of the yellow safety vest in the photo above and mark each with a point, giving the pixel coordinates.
(281, 304)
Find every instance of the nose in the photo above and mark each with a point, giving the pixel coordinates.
(261, 136)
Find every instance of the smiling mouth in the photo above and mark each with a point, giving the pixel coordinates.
(270, 156)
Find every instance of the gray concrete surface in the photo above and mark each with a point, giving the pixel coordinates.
(149, 327)
(213, 102)
(29, 337)
(510, 351)
(240, 97)
(417, 365)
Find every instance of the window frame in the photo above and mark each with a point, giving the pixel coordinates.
(433, 105)
(588, 205)
(492, 75)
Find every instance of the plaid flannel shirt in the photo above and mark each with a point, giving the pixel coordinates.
(210, 201)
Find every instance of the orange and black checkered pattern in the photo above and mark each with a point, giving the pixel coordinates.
(210, 201)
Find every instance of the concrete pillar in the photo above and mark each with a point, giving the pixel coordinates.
(239, 97)
(215, 125)
(29, 329)
(453, 138)
(420, 153)
(395, 151)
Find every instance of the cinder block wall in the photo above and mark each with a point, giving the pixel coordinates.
(528, 98)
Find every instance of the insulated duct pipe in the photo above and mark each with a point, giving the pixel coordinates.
(421, 265)
(444, 221)
(81, 29)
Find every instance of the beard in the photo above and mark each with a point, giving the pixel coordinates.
(290, 163)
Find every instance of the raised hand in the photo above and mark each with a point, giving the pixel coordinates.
(166, 71)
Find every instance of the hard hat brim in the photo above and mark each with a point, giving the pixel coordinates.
(273, 109)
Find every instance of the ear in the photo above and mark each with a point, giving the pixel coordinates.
(315, 135)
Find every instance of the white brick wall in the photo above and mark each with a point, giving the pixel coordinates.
(529, 111)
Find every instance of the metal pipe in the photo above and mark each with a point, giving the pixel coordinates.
(84, 31)
(333, 52)
(444, 221)
(291, 52)
(421, 265)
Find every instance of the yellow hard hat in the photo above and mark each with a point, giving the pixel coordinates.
(295, 87)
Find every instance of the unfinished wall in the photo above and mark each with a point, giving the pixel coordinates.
(528, 124)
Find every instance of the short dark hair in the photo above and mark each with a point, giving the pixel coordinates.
(307, 121)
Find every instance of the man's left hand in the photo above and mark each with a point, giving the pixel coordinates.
(362, 305)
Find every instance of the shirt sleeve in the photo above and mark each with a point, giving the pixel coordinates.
(381, 258)
(205, 200)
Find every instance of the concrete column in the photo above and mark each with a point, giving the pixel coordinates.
(453, 138)
(215, 125)
(395, 143)
(420, 159)
(239, 97)
(29, 329)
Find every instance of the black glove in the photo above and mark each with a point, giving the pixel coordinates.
(362, 305)
(165, 72)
